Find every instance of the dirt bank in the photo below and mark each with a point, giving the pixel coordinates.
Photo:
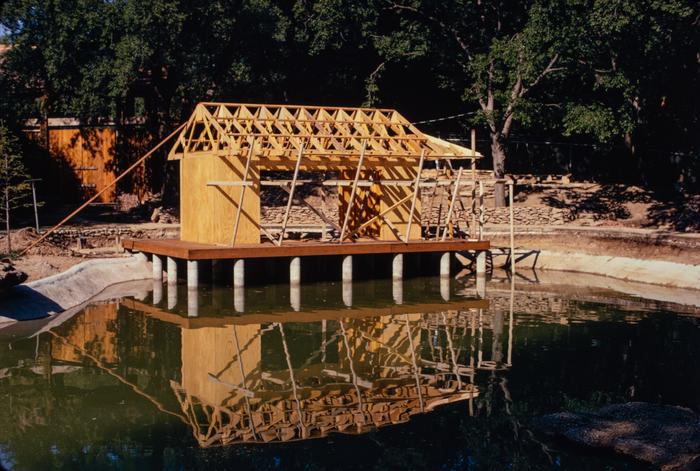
(643, 244)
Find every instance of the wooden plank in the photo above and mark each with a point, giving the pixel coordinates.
(295, 316)
(198, 251)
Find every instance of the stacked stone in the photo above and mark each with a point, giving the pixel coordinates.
(298, 215)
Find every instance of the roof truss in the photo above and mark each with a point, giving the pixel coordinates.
(281, 130)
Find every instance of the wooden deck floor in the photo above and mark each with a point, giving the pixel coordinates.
(194, 251)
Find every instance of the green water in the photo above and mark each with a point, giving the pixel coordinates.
(426, 384)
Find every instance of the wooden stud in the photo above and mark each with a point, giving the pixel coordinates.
(240, 199)
(291, 195)
(455, 192)
(416, 191)
(352, 193)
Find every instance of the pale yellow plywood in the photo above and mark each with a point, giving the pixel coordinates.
(207, 213)
(213, 350)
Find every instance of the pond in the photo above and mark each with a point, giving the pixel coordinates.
(403, 380)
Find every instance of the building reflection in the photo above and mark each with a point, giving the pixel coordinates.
(246, 379)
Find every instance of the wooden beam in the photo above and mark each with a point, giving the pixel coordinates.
(230, 183)
(416, 190)
(352, 193)
(240, 199)
(380, 215)
(103, 190)
(455, 192)
(291, 195)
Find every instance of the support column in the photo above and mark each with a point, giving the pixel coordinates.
(172, 295)
(347, 293)
(172, 271)
(347, 280)
(295, 296)
(397, 267)
(347, 268)
(157, 267)
(192, 274)
(481, 285)
(295, 283)
(445, 265)
(481, 262)
(239, 273)
(157, 291)
(192, 302)
(239, 298)
(445, 288)
(295, 270)
(397, 290)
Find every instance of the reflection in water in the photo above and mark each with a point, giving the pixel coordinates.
(133, 384)
(284, 381)
(289, 381)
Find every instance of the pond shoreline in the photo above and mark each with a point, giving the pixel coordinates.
(610, 252)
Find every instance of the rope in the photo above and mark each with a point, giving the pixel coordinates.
(444, 118)
(97, 195)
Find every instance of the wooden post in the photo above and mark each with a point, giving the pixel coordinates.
(99, 193)
(512, 234)
(243, 187)
(473, 148)
(291, 195)
(416, 190)
(452, 204)
(481, 209)
(36, 208)
(352, 192)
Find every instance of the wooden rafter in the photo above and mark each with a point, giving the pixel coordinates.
(280, 130)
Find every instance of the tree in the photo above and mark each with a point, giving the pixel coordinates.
(636, 68)
(500, 53)
(13, 179)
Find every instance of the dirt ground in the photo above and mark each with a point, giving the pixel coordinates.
(605, 219)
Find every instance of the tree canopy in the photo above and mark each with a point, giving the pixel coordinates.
(623, 75)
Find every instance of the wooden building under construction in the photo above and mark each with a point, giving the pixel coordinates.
(375, 159)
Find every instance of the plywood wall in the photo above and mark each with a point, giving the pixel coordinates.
(212, 350)
(207, 213)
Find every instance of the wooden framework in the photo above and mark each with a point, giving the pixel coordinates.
(377, 153)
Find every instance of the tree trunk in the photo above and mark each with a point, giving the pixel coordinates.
(7, 220)
(498, 154)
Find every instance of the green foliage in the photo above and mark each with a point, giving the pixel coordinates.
(14, 189)
(610, 70)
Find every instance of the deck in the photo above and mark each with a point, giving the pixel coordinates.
(195, 251)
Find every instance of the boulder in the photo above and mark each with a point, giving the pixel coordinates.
(667, 437)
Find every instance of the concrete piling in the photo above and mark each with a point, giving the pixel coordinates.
(172, 295)
(172, 270)
(192, 302)
(157, 291)
(481, 262)
(445, 265)
(192, 274)
(239, 298)
(347, 268)
(397, 267)
(157, 267)
(295, 270)
(347, 293)
(397, 290)
(239, 273)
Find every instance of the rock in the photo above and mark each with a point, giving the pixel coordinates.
(9, 275)
(665, 436)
